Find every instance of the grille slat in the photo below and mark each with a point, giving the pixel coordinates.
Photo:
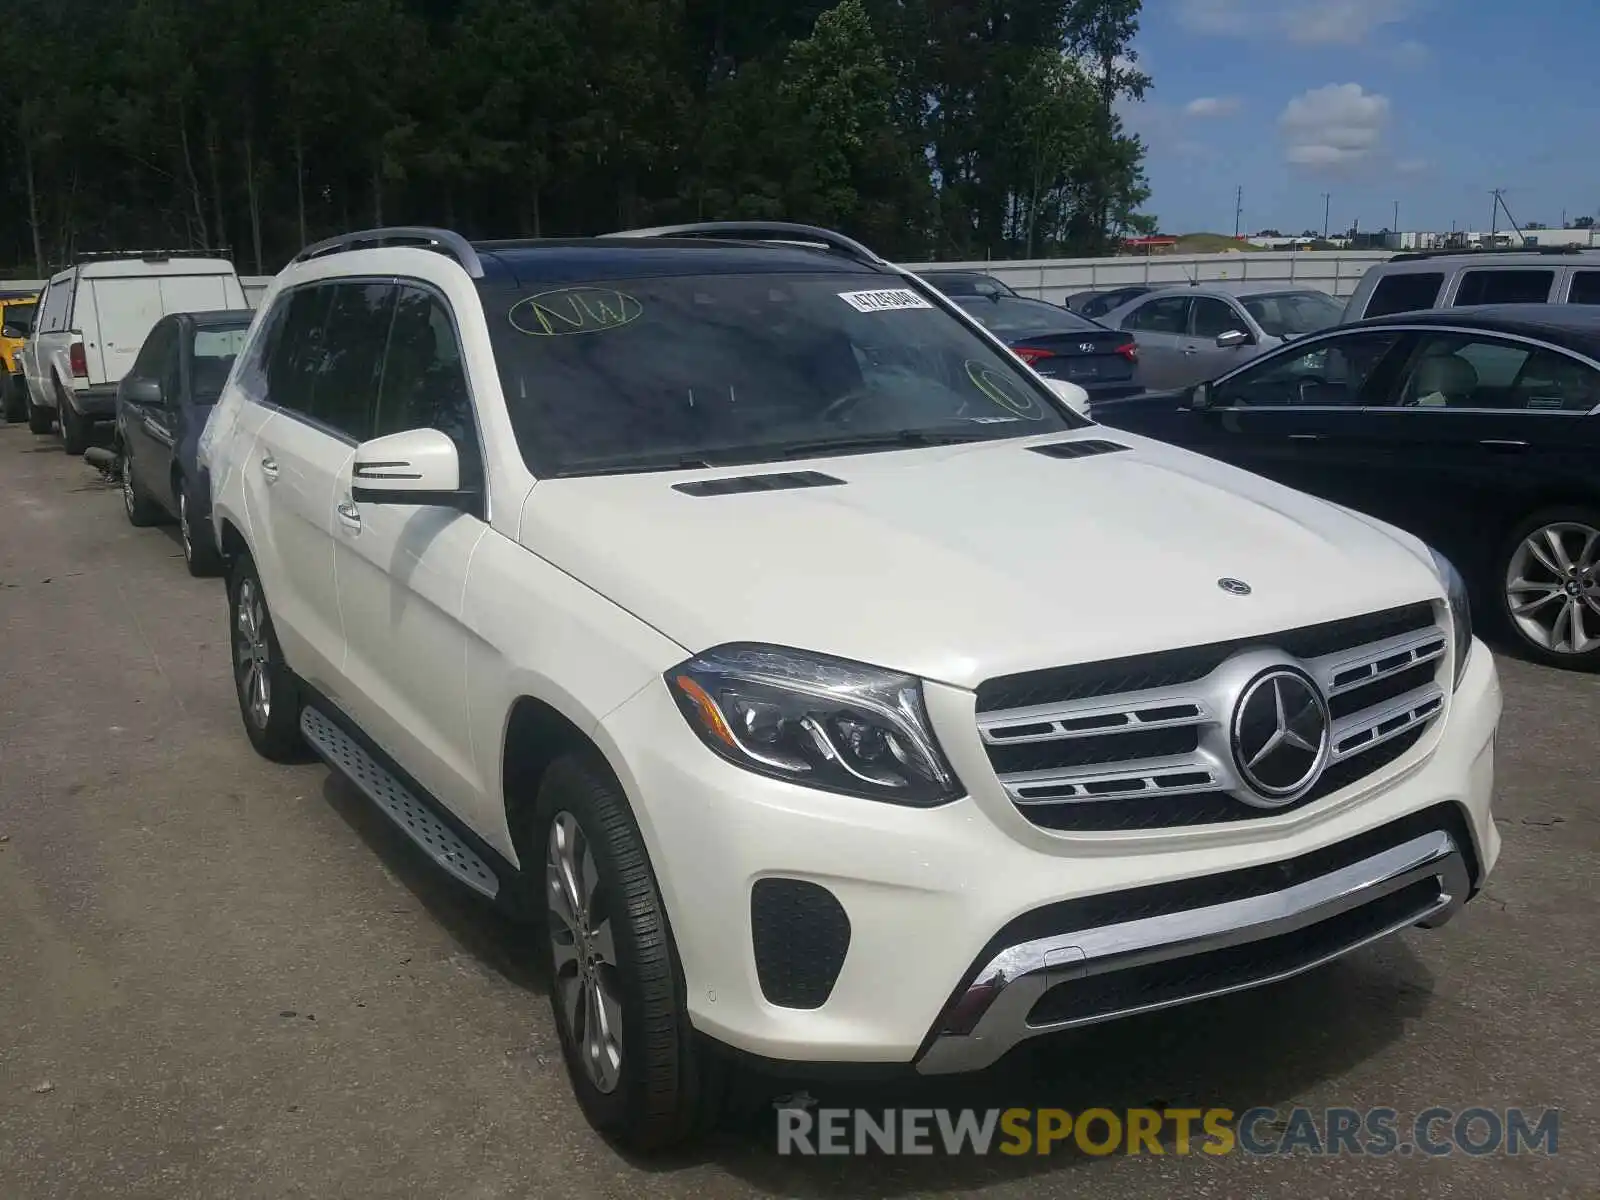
(1143, 743)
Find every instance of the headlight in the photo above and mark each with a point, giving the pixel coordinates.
(1455, 590)
(820, 722)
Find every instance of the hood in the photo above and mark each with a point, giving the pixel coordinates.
(965, 562)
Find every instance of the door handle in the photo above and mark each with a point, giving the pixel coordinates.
(1305, 437)
(1190, 350)
(269, 468)
(1503, 446)
(349, 514)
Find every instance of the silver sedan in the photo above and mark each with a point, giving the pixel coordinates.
(1188, 334)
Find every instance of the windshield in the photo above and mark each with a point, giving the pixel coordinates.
(1011, 319)
(213, 354)
(20, 315)
(1293, 314)
(957, 283)
(654, 373)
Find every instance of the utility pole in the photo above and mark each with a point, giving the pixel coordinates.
(1238, 209)
(1327, 207)
(1396, 226)
(1494, 214)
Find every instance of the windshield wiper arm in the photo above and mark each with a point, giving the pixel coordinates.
(904, 439)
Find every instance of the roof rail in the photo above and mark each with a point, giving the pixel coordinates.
(1468, 252)
(760, 231)
(91, 256)
(445, 241)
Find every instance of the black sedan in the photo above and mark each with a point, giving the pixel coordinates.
(162, 405)
(1060, 344)
(1477, 430)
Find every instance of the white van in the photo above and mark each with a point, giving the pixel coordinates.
(92, 319)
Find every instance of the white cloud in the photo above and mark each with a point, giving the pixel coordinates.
(1307, 22)
(1212, 106)
(1335, 126)
(1413, 166)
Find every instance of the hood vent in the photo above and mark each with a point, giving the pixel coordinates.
(780, 481)
(1081, 448)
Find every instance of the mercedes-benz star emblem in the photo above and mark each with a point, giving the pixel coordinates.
(1234, 587)
(1281, 732)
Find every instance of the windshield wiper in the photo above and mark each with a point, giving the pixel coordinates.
(903, 439)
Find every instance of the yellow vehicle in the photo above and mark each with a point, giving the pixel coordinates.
(16, 323)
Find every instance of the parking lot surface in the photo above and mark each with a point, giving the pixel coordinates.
(220, 977)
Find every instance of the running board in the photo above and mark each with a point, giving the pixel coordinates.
(397, 802)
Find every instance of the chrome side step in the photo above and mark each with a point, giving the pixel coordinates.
(414, 817)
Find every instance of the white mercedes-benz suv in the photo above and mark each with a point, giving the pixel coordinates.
(831, 691)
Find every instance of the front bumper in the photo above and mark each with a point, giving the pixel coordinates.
(930, 899)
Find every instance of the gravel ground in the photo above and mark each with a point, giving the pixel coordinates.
(223, 978)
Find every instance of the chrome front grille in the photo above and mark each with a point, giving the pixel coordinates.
(1148, 742)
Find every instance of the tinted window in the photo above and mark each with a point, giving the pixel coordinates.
(294, 355)
(424, 382)
(1212, 317)
(1294, 314)
(1331, 375)
(53, 314)
(1168, 314)
(1585, 288)
(20, 315)
(636, 373)
(210, 359)
(345, 391)
(968, 285)
(1504, 287)
(1026, 318)
(1407, 291)
(157, 350)
(1461, 371)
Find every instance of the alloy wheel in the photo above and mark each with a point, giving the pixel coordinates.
(125, 470)
(584, 953)
(1553, 587)
(250, 653)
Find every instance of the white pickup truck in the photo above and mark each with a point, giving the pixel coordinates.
(91, 320)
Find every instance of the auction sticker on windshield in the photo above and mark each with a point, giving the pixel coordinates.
(884, 301)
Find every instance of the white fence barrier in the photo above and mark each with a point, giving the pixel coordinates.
(1334, 271)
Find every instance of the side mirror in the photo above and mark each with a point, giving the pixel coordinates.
(141, 393)
(1234, 337)
(13, 331)
(1200, 397)
(418, 466)
(1073, 396)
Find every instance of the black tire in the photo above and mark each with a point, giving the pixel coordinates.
(670, 1084)
(1583, 586)
(16, 401)
(136, 502)
(40, 420)
(199, 548)
(275, 733)
(74, 428)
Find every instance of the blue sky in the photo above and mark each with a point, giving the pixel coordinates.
(1428, 102)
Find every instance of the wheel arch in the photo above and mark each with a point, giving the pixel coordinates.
(536, 734)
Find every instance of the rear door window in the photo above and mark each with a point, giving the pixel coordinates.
(1504, 286)
(1165, 314)
(1462, 371)
(1404, 291)
(1585, 288)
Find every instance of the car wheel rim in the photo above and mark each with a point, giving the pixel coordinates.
(127, 484)
(1553, 588)
(183, 527)
(586, 983)
(250, 654)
